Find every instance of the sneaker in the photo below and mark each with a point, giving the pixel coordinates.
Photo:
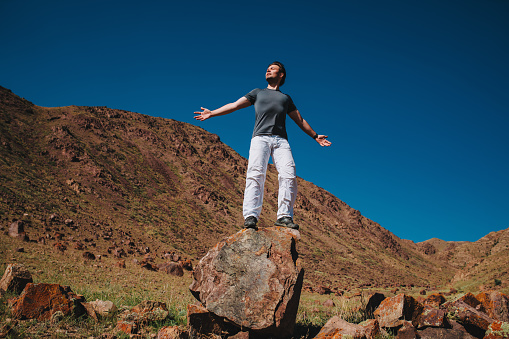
(286, 222)
(250, 222)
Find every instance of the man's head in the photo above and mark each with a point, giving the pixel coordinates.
(276, 72)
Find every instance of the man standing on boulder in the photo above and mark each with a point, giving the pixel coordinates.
(269, 139)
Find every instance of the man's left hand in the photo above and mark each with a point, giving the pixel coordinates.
(322, 140)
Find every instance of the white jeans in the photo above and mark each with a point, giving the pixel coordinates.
(262, 147)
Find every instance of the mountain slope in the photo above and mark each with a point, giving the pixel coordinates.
(144, 183)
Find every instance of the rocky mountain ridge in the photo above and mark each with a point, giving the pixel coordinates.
(114, 178)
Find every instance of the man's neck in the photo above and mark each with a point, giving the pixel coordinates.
(273, 86)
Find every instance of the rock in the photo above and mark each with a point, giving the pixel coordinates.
(17, 229)
(407, 331)
(146, 312)
(200, 320)
(322, 290)
(171, 332)
(172, 268)
(472, 301)
(187, 265)
(329, 303)
(434, 300)
(120, 264)
(456, 332)
(253, 279)
(392, 311)
(497, 330)
(88, 256)
(41, 301)
(431, 317)
(60, 247)
(128, 327)
(15, 278)
(100, 309)
(374, 300)
(339, 328)
(474, 321)
(496, 304)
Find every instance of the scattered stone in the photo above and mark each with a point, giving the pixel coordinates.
(200, 320)
(339, 328)
(128, 327)
(60, 247)
(20, 249)
(407, 331)
(120, 264)
(17, 229)
(496, 304)
(172, 268)
(146, 312)
(100, 309)
(41, 301)
(497, 330)
(148, 266)
(475, 322)
(435, 300)
(253, 279)
(431, 317)
(456, 332)
(187, 265)
(329, 303)
(88, 256)
(119, 253)
(322, 290)
(15, 278)
(172, 332)
(392, 311)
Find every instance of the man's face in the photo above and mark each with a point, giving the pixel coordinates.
(273, 74)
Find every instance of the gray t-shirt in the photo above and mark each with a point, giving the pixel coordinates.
(271, 107)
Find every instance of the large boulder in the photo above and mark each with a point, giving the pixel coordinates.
(253, 279)
(41, 301)
(15, 278)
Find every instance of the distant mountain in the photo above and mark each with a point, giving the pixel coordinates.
(121, 179)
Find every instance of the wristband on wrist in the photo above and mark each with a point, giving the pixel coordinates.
(315, 136)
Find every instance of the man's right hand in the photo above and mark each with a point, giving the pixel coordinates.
(203, 115)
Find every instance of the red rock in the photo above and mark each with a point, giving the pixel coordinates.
(456, 332)
(253, 279)
(41, 301)
(187, 265)
(497, 330)
(171, 268)
(15, 278)
(200, 320)
(322, 290)
(88, 256)
(128, 327)
(120, 264)
(475, 321)
(496, 304)
(407, 331)
(337, 328)
(60, 247)
(431, 317)
(172, 332)
(434, 300)
(392, 311)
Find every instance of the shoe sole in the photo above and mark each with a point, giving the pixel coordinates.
(294, 227)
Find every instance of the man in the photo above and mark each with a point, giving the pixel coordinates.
(269, 139)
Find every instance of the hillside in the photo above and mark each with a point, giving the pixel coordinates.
(117, 179)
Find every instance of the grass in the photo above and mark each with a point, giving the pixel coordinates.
(128, 287)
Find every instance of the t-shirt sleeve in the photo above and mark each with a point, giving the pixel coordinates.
(291, 105)
(251, 96)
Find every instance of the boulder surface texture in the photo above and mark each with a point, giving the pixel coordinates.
(253, 279)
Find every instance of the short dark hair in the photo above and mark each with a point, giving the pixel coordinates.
(281, 69)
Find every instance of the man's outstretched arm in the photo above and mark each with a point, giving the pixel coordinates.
(205, 113)
(303, 124)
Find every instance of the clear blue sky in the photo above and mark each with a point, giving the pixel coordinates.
(413, 94)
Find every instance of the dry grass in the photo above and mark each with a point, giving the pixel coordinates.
(128, 287)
